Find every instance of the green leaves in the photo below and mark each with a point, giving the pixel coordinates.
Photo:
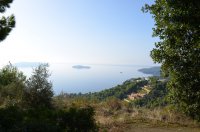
(6, 23)
(177, 24)
(39, 92)
(27, 105)
(4, 4)
(12, 83)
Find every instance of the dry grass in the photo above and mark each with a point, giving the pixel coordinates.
(118, 116)
(127, 119)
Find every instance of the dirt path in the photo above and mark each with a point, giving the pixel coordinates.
(161, 129)
(146, 127)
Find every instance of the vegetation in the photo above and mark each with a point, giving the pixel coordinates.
(12, 84)
(154, 71)
(28, 105)
(81, 112)
(38, 92)
(6, 23)
(157, 97)
(153, 111)
(177, 26)
(119, 91)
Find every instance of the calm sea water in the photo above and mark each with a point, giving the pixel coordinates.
(98, 77)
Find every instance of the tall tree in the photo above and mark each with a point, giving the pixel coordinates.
(177, 24)
(6, 23)
(38, 92)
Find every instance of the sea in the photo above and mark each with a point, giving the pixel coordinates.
(73, 78)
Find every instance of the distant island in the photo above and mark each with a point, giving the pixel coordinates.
(155, 71)
(81, 67)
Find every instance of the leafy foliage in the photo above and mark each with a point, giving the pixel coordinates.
(6, 23)
(79, 120)
(119, 91)
(177, 24)
(157, 97)
(35, 112)
(12, 83)
(40, 120)
(11, 115)
(38, 92)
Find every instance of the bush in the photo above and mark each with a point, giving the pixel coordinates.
(11, 119)
(73, 120)
(12, 84)
(78, 120)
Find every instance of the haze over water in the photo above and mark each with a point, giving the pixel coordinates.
(98, 77)
(81, 32)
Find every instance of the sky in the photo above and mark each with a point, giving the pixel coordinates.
(79, 31)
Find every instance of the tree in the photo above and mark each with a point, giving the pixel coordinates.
(177, 24)
(12, 84)
(6, 23)
(38, 92)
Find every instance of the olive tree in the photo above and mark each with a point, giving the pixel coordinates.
(38, 92)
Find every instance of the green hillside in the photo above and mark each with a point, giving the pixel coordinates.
(154, 71)
(148, 92)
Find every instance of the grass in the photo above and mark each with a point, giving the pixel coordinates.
(141, 119)
(115, 115)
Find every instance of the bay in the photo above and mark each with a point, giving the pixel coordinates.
(93, 78)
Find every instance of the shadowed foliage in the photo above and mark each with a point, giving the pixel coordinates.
(6, 23)
(27, 105)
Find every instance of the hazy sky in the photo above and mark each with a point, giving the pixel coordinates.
(79, 31)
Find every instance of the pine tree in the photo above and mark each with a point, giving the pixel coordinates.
(6, 23)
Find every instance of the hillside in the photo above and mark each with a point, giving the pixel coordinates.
(138, 104)
(119, 91)
(154, 71)
(147, 92)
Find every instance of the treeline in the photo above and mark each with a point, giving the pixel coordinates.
(155, 71)
(157, 97)
(27, 104)
(119, 91)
